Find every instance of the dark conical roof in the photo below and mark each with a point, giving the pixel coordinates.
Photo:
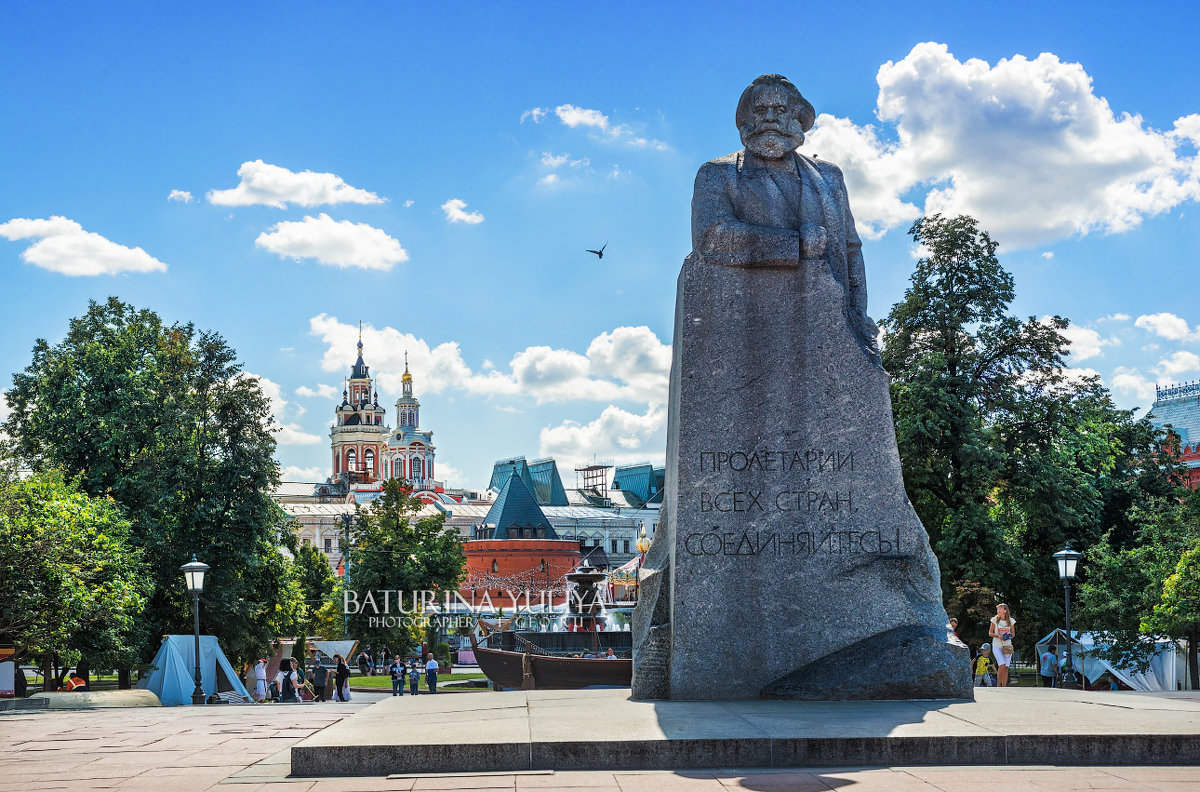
(360, 369)
(516, 514)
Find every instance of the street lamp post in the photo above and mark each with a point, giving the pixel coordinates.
(347, 520)
(1067, 560)
(193, 574)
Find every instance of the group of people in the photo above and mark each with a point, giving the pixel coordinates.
(412, 673)
(326, 684)
(333, 684)
(990, 665)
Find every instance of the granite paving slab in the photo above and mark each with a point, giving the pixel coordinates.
(606, 730)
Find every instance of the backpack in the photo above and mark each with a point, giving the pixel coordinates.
(289, 689)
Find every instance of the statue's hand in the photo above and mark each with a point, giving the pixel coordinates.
(812, 241)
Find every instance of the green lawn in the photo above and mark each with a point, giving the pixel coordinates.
(385, 680)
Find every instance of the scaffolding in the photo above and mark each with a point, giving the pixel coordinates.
(594, 476)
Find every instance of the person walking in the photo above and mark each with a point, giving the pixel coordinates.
(1049, 667)
(287, 681)
(364, 663)
(431, 669)
(414, 678)
(320, 675)
(398, 672)
(1003, 629)
(341, 678)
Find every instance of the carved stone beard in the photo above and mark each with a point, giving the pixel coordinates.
(773, 144)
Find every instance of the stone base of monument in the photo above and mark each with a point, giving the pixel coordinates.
(605, 730)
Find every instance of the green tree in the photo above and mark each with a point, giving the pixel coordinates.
(959, 362)
(390, 550)
(1177, 613)
(161, 419)
(1005, 457)
(1126, 594)
(316, 582)
(70, 582)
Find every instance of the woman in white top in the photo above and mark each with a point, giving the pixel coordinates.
(287, 680)
(1003, 629)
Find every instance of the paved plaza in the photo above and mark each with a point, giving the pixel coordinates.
(606, 730)
(247, 748)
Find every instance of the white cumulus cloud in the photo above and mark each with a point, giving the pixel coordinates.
(616, 434)
(336, 243)
(1129, 380)
(322, 391)
(264, 184)
(621, 367)
(287, 431)
(628, 363)
(1084, 341)
(182, 196)
(316, 473)
(1181, 362)
(1025, 145)
(1167, 325)
(587, 118)
(63, 246)
(535, 114)
(455, 210)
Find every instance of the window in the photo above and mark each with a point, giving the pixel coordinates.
(369, 460)
(626, 546)
(328, 545)
(614, 545)
(351, 460)
(495, 566)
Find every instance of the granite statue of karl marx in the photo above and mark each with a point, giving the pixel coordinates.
(784, 512)
(770, 206)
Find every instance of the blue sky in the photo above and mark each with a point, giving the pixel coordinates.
(438, 173)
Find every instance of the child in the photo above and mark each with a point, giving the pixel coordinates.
(414, 678)
(984, 667)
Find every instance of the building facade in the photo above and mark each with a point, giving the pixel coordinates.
(366, 451)
(1177, 409)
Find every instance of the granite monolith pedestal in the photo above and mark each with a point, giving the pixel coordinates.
(788, 562)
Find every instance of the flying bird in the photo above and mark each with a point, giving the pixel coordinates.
(599, 253)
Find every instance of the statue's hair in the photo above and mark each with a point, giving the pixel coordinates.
(808, 116)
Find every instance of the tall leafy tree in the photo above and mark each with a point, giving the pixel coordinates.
(70, 582)
(958, 362)
(1005, 456)
(161, 419)
(316, 582)
(1142, 586)
(391, 550)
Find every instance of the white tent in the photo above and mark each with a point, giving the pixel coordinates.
(1167, 671)
(331, 648)
(173, 678)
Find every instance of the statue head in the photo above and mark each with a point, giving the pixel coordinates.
(772, 116)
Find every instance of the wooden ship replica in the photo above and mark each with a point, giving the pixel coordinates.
(575, 658)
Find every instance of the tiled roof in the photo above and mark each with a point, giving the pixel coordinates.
(1182, 414)
(515, 510)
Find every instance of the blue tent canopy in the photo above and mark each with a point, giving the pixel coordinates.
(173, 678)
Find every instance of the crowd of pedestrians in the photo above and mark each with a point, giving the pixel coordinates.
(330, 681)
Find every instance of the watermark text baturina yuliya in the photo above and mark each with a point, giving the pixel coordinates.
(450, 609)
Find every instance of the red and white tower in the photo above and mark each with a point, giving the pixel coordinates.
(359, 436)
(410, 450)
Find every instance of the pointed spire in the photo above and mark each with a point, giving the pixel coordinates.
(360, 370)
